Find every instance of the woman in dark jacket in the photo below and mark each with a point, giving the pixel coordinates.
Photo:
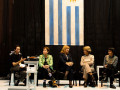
(66, 64)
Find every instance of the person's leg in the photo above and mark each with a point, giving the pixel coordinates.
(85, 76)
(14, 70)
(48, 73)
(88, 71)
(112, 79)
(104, 75)
(68, 68)
(111, 82)
(110, 73)
(70, 84)
(70, 78)
(45, 75)
(87, 68)
(22, 75)
(51, 77)
(66, 74)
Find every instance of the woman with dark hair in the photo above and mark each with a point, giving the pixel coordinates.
(66, 64)
(110, 64)
(46, 66)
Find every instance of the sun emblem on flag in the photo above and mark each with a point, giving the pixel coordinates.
(72, 0)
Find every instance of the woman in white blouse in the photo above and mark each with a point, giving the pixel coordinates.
(87, 63)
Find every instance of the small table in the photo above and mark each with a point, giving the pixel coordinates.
(35, 63)
(30, 70)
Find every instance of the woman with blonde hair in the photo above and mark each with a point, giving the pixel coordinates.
(66, 64)
(87, 63)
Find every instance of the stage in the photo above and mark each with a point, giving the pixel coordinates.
(5, 86)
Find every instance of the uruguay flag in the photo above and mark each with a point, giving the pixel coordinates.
(64, 22)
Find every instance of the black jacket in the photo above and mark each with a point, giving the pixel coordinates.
(62, 61)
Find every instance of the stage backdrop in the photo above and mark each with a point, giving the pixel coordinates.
(64, 22)
(22, 22)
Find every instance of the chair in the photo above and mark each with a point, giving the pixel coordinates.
(60, 76)
(13, 76)
(12, 79)
(76, 76)
(117, 75)
(79, 76)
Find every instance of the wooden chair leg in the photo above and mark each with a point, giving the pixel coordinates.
(73, 82)
(119, 81)
(96, 82)
(79, 82)
(9, 81)
(58, 82)
(101, 83)
(37, 81)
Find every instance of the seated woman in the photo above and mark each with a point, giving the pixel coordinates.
(110, 64)
(46, 66)
(87, 63)
(66, 64)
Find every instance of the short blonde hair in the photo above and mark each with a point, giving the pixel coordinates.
(87, 48)
(64, 48)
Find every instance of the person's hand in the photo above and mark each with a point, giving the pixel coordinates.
(21, 67)
(14, 63)
(47, 66)
(19, 64)
(43, 66)
(68, 63)
(71, 63)
(23, 59)
(105, 66)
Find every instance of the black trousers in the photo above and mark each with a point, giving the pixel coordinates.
(45, 73)
(110, 71)
(68, 68)
(20, 73)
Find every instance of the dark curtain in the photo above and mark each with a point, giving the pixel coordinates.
(101, 19)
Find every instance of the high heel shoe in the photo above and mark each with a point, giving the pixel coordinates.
(44, 84)
(85, 84)
(70, 84)
(92, 81)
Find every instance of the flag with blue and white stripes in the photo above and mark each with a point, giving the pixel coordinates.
(64, 22)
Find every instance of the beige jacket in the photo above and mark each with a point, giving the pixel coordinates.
(87, 59)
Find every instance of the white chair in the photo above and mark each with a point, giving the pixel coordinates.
(98, 71)
(31, 70)
(11, 83)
